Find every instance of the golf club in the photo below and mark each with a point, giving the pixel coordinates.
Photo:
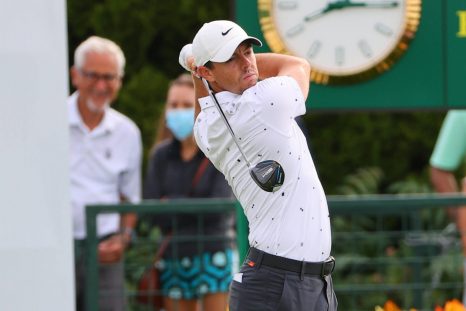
(269, 174)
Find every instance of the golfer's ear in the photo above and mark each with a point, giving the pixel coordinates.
(205, 73)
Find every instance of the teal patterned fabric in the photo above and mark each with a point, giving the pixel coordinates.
(194, 276)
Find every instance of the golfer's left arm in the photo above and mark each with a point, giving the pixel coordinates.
(272, 65)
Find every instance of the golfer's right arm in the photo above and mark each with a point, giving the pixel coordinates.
(186, 61)
(272, 65)
(199, 91)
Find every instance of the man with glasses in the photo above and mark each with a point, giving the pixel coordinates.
(105, 165)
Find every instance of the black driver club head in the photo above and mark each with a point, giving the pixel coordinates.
(268, 175)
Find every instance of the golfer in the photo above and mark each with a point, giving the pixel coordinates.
(288, 266)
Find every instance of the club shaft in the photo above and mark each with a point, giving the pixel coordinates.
(220, 110)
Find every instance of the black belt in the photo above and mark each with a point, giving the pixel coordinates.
(322, 269)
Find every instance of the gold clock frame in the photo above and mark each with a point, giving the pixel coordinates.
(277, 45)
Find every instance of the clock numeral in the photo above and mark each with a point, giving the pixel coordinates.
(293, 31)
(461, 24)
(383, 29)
(365, 48)
(287, 5)
(339, 55)
(314, 49)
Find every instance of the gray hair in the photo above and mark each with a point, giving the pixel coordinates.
(99, 45)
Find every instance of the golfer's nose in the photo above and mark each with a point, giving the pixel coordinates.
(245, 61)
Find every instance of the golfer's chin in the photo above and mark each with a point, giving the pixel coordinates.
(249, 81)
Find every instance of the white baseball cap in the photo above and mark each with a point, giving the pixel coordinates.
(217, 41)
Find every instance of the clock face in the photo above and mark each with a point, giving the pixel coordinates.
(344, 40)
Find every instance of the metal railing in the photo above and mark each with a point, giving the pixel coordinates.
(373, 226)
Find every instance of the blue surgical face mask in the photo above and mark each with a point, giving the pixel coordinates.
(180, 122)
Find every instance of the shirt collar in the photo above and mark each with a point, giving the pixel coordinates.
(224, 98)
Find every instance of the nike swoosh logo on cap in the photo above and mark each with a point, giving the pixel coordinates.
(226, 32)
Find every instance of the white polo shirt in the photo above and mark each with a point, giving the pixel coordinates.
(294, 221)
(104, 164)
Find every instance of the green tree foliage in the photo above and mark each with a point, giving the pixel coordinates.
(399, 144)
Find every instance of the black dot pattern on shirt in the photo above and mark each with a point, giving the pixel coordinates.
(238, 160)
(273, 218)
(271, 104)
(302, 244)
(252, 206)
(265, 129)
(283, 194)
(259, 155)
(295, 99)
(301, 209)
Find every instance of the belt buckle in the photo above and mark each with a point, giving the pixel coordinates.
(329, 261)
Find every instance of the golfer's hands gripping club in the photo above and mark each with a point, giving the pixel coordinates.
(186, 59)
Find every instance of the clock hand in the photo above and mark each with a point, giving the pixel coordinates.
(317, 14)
(341, 4)
(373, 4)
(332, 5)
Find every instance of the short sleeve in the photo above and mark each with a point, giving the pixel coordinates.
(450, 147)
(285, 91)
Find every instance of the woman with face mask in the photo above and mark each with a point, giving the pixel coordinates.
(194, 276)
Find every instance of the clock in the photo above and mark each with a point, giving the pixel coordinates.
(345, 41)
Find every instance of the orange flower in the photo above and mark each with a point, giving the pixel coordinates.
(391, 306)
(454, 305)
(451, 305)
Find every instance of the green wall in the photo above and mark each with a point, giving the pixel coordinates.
(428, 75)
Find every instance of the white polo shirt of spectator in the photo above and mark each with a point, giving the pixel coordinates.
(294, 221)
(105, 164)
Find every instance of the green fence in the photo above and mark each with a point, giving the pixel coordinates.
(401, 248)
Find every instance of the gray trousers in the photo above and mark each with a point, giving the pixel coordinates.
(111, 284)
(264, 288)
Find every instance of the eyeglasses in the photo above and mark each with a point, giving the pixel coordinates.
(94, 76)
